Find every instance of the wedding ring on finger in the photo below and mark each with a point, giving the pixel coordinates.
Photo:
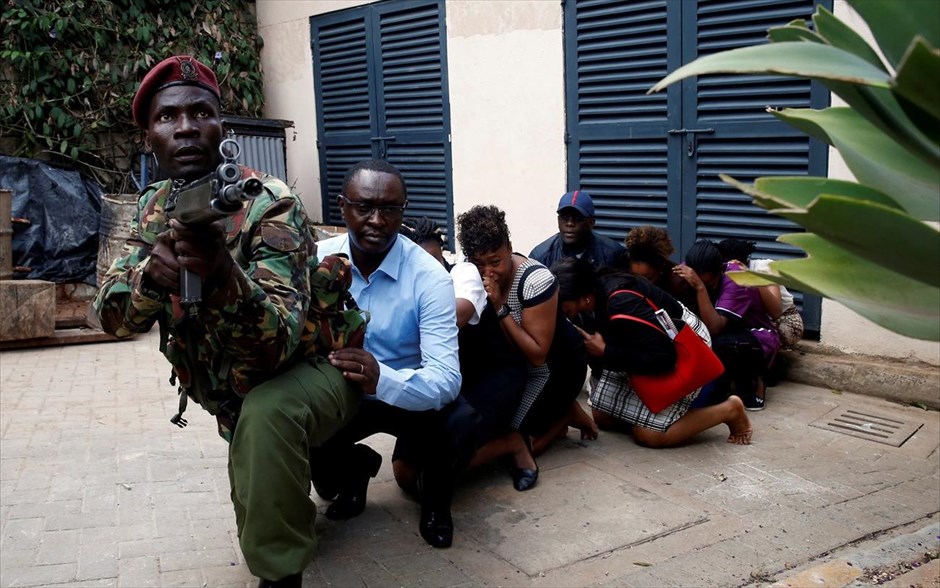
(362, 368)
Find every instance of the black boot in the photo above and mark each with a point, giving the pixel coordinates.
(436, 525)
(365, 464)
(292, 581)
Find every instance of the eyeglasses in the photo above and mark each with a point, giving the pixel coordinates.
(363, 210)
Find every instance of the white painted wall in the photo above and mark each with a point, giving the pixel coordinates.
(505, 67)
(506, 72)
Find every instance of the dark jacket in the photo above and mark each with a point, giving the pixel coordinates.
(601, 251)
(634, 347)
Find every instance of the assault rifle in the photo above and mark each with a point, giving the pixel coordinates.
(210, 198)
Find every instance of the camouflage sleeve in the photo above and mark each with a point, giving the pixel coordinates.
(122, 306)
(258, 316)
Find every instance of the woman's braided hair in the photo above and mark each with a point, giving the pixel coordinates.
(482, 229)
(705, 257)
(737, 249)
(421, 230)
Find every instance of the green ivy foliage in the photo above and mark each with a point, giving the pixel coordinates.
(69, 70)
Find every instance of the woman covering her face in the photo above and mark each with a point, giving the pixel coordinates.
(744, 334)
(624, 347)
(524, 295)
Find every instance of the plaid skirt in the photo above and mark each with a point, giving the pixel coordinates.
(614, 396)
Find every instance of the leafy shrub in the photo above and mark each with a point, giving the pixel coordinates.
(69, 69)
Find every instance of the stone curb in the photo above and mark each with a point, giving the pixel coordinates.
(846, 570)
(905, 382)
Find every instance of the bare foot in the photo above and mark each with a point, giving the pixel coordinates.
(739, 425)
(581, 420)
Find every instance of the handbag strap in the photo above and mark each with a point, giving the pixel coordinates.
(635, 293)
(633, 318)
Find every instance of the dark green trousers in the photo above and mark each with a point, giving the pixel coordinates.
(269, 463)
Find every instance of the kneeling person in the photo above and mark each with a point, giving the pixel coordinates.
(408, 367)
(240, 354)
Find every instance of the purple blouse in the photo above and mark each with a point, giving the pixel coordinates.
(741, 302)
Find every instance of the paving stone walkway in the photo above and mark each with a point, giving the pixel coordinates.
(98, 489)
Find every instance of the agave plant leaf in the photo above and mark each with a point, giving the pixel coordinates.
(917, 87)
(838, 34)
(790, 192)
(861, 220)
(874, 158)
(894, 24)
(881, 107)
(754, 279)
(879, 234)
(794, 31)
(811, 60)
(894, 301)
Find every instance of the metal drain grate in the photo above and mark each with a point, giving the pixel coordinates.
(878, 428)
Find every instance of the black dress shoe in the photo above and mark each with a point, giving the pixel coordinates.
(352, 497)
(326, 489)
(524, 479)
(292, 581)
(437, 527)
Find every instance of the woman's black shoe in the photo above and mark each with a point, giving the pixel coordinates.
(524, 478)
(352, 499)
(437, 527)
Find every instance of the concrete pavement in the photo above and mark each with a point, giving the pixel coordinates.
(97, 488)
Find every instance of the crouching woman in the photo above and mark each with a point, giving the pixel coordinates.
(624, 347)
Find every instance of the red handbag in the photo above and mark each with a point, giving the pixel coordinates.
(696, 365)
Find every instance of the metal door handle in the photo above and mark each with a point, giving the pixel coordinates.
(691, 145)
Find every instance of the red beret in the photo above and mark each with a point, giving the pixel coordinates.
(179, 70)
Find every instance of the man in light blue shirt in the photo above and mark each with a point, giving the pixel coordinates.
(412, 332)
(409, 367)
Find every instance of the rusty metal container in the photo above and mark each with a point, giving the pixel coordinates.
(117, 212)
(6, 234)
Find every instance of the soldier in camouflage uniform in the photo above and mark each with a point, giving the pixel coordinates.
(248, 354)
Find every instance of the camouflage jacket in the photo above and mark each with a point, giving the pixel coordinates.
(245, 331)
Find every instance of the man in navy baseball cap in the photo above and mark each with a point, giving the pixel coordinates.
(576, 236)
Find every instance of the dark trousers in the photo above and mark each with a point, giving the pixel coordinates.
(743, 358)
(441, 443)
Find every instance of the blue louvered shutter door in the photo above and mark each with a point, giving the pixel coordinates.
(618, 141)
(414, 122)
(346, 100)
(746, 141)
